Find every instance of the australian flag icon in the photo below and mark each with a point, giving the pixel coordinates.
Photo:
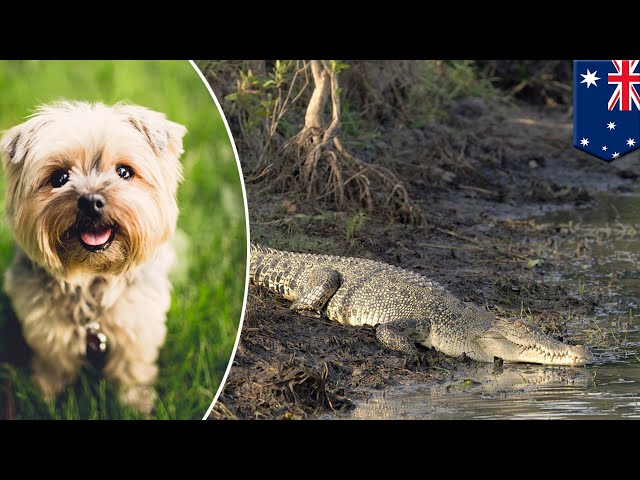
(606, 107)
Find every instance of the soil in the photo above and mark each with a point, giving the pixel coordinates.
(480, 180)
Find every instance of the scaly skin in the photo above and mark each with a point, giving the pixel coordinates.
(405, 307)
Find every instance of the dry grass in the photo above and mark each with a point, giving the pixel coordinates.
(268, 109)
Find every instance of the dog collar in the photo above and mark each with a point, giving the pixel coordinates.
(97, 345)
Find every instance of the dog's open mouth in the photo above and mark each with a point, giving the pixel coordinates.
(96, 239)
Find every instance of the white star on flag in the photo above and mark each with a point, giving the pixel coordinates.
(615, 155)
(611, 125)
(604, 148)
(590, 78)
(631, 142)
(584, 142)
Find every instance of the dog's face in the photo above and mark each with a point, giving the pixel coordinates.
(91, 188)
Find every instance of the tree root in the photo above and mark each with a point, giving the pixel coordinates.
(315, 163)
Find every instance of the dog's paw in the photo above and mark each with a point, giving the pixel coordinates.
(140, 397)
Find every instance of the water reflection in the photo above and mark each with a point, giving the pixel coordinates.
(533, 393)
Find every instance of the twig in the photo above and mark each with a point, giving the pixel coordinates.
(457, 235)
(450, 247)
(492, 248)
(262, 174)
(479, 190)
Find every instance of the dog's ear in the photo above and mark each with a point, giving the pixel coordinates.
(16, 143)
(11, 149)
(161, 133)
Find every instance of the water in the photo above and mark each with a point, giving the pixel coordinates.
(610, 388)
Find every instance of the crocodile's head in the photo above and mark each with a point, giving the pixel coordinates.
(515, 341)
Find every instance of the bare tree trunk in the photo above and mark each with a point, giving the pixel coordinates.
(313, 116)
(316, 160)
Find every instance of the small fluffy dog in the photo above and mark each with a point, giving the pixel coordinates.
(91, 200)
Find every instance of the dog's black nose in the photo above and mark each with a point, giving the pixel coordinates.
(92, 205)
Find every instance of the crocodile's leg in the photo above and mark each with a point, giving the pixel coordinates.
(321, 284)
(397, 335)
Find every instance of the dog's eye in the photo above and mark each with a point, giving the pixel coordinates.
(124, 172)
(59, 178)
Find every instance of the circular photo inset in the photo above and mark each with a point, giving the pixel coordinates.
(123, 242)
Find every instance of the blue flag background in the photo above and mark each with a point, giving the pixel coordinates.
(593, 130)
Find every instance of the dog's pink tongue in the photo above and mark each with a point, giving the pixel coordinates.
(96, 238)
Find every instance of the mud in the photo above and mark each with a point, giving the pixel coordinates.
(479, 179)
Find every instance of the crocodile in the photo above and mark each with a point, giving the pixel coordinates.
(405, 308)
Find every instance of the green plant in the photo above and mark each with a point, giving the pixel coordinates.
(353, 225)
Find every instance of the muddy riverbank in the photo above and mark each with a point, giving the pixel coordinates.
(483, 182)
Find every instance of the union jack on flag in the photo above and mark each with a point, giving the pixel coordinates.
(625, 91)
(606, 107)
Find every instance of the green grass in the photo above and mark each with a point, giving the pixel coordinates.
(208, 293)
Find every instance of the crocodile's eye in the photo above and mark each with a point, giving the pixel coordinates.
(59, 178)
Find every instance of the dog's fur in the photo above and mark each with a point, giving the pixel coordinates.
(56, 284)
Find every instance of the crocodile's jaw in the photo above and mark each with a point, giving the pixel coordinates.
(519, 342)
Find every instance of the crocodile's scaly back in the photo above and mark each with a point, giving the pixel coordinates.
(406, 306)
(367, 287)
